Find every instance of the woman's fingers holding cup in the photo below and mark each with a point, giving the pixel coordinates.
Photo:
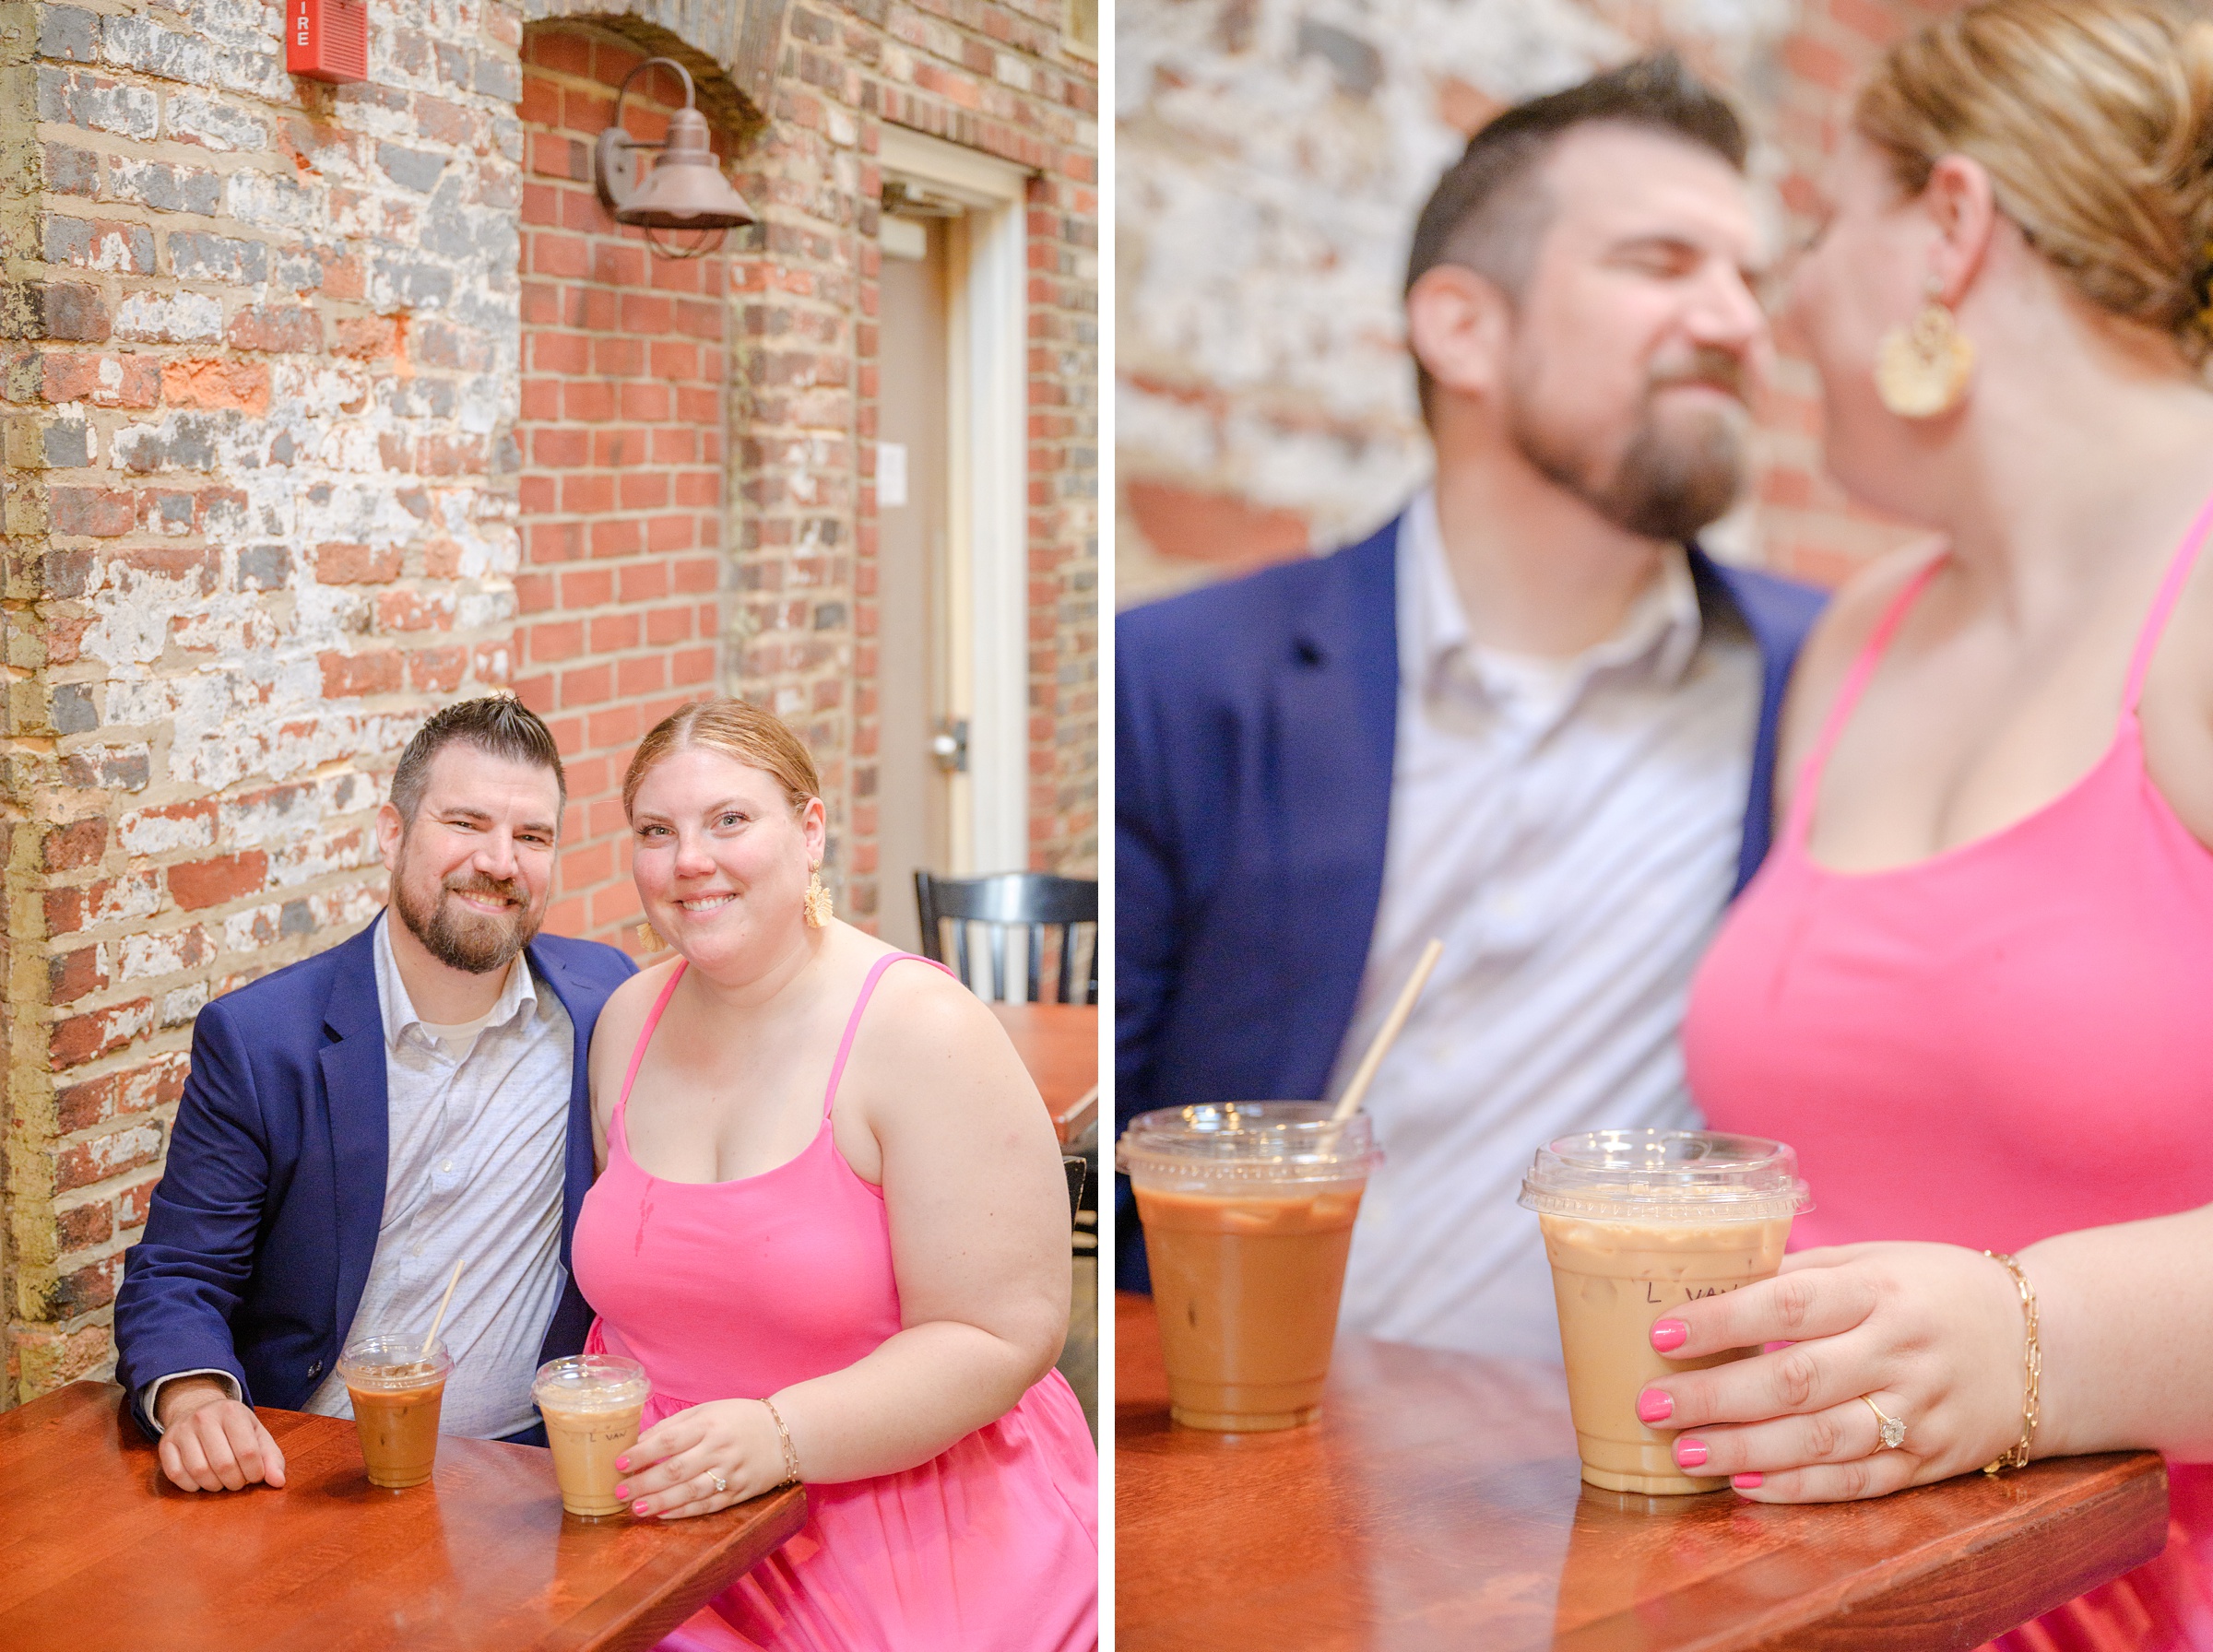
(1839, 1433)
(1792, 1307)
(1794, 1381)
(1877, 1475)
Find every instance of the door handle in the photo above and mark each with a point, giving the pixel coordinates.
(949, 745)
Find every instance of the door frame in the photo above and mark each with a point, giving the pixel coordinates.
(987, 541)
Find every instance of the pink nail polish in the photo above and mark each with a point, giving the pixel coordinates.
(1690, 1454)
(1745, 1482)
(641, 1509)
(622, 1494)
(1669, 1333)
(622, 1463)
(1654, 1407)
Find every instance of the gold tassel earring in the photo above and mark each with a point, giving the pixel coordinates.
(1921, 371)
(649, 939)
(816, 903)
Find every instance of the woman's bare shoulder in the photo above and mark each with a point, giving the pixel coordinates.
(1839, 637)
(623, 1014)
(924, 1024)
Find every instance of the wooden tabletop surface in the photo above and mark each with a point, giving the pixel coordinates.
(100, 1553)
(1060, 1045)
(1436, 1505)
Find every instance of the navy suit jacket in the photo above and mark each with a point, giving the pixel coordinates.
(258, 1243)
(1254, 728)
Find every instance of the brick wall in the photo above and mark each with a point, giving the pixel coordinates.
(280, 479)
(999, 79)
(1271, 161)
(264, 368)
(623, 451)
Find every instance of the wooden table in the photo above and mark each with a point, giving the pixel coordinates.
(1436, 1504)
(1060, 1045)
(100, 1553)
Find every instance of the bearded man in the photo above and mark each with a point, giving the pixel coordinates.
(356, 1123)
(1529, 717)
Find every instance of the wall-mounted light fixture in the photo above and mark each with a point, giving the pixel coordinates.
(685, 190)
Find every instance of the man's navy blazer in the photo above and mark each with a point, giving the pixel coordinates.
(259, 1244)
(1254, 728)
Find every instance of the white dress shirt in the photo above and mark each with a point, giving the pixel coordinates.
(478, 1120)
(1570, 830)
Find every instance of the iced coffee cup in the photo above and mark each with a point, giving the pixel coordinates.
(397, 1388)
(592, 1404)
(1636, 1224)
(1247, 1209)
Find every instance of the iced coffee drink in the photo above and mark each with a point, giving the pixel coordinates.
(1638, 1223)
(592, 1404)
(397, 1386)
(1247, 1209)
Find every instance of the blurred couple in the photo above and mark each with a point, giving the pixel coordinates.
(1921, 882)
(814, 1194)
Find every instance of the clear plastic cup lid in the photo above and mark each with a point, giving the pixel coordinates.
(392, 1360)
(1665, 1175)
(587, 1382)
(1257, 1142)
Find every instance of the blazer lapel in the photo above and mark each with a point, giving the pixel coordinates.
(577, 1159)
(1334, 717)
(355, 1091)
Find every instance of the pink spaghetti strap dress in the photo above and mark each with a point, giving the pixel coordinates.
(2006, 1041)
(730, 1289)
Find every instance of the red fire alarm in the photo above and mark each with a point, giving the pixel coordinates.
(327, 40)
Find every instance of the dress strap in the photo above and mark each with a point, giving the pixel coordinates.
(646, 1033)
(2162, 606)
(1848, 697)
(867, 988)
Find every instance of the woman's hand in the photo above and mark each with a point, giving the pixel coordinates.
(1932, 1332)
(671, 1470)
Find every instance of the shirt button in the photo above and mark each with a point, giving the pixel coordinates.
(316, 1370)
(447, 1165)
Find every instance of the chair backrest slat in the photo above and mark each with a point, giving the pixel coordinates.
(1029, 901)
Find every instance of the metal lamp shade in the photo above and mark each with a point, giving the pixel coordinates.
(685, 190)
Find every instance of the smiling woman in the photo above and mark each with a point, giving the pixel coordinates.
(831, 1227)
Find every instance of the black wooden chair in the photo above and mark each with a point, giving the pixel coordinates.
(1033, 901)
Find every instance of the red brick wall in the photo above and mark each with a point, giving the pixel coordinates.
(622, 449)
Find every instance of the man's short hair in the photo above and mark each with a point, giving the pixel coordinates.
(1489, 211)
(494, 725)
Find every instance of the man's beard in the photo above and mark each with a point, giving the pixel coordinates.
(1672, 479)
(462, 939)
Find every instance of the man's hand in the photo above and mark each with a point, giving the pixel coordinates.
(210, 1441)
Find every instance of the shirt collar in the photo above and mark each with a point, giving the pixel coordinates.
(1656, 638)
(399, 1011)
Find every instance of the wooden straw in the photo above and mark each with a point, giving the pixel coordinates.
(1349, 1103)
(429, 1341)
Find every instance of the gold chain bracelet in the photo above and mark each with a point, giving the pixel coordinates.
(791, 1456)
(2032, 1365)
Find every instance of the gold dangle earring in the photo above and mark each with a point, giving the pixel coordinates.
(816, 903)
(1921, 371)
(649, 939)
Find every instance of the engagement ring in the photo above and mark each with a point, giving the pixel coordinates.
(723, 1485)
(1893, 1431)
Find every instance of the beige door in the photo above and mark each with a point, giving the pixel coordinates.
(915, 773)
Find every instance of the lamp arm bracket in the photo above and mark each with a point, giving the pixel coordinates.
(615, 145)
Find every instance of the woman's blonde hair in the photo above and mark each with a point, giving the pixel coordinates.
(2094, 119)
(757, 738)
